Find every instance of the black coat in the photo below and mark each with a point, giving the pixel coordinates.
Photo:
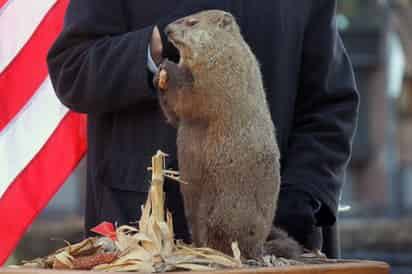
(98, 66)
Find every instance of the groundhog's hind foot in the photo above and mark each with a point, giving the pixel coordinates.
(281, 245)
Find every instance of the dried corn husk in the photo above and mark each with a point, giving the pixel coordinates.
(236, 253)
(63, 260)
(86, 247)
(127, 266)
(149, 248)
(195, 267)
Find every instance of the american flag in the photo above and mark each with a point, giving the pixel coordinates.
(41, 141)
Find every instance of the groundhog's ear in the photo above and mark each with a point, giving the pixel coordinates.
(226, 21)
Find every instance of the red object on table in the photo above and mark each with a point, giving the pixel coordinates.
(106, 229)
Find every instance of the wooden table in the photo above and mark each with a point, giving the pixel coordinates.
(352, 267)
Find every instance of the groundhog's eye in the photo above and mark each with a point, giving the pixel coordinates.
(192, 22)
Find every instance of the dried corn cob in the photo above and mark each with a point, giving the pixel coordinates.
(88, 262)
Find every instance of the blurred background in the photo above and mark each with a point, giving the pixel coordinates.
(377, 222)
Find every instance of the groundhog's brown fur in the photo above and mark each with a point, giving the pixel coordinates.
(226, 141)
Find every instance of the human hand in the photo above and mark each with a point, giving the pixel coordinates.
(296, 214)
(156, 46)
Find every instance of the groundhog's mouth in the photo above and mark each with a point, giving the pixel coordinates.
(184, 50)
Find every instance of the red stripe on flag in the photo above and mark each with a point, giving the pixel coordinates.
(39, 181)
(23, 76)
(2, 2)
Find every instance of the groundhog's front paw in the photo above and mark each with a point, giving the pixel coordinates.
(160, 79)
(172, 76)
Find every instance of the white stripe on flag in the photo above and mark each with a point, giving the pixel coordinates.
(18, 20)
(5, 4)
(30, 129)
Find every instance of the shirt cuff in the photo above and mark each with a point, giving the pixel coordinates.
(151, 65)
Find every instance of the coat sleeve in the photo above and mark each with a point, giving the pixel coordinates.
(325, 115)
(96, 65)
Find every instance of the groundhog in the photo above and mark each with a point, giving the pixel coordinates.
(227, 148)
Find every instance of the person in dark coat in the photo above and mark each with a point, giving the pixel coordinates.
(99, 66)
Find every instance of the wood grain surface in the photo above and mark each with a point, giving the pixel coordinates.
(353, 267)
